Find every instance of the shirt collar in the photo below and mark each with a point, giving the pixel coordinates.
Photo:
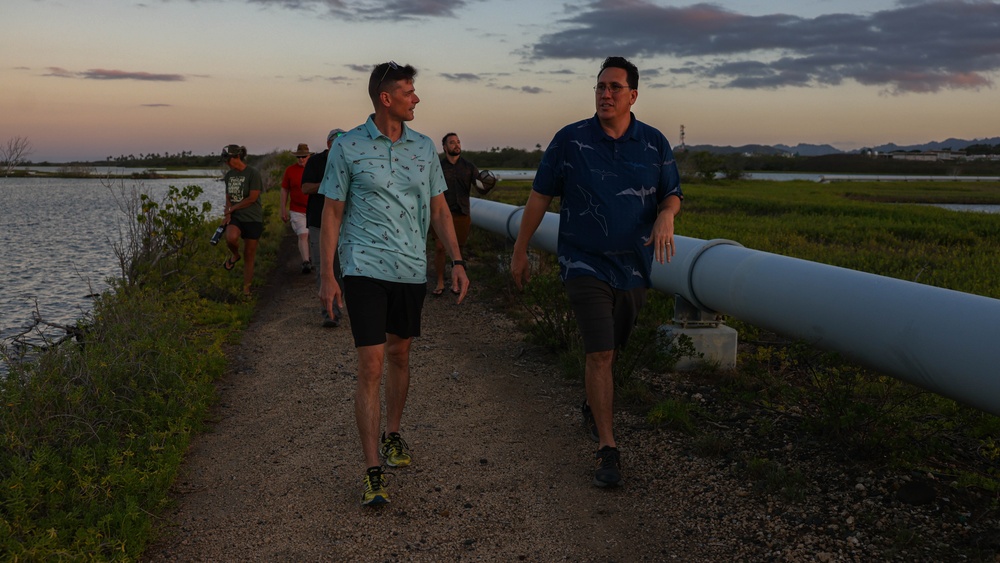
(630, 133)
(374, 133)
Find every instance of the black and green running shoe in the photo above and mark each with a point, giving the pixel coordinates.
(608, 465)
(374, 494)
(395, 450)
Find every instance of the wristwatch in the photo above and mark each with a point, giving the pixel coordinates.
(458, 263)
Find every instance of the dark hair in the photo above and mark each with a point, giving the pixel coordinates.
(632, 73)
(387, 73)
(444, 140)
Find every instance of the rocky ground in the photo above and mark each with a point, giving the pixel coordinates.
(502, 465)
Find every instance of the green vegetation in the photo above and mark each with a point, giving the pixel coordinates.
(861, 164)
(695, 165)
(675, 413)
(496, 157)
(788, 391)
(145, 163)
(853, 225)
(92, 432)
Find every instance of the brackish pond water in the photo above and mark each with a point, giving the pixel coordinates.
(56, 243)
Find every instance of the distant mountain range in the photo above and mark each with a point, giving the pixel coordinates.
(804, 149)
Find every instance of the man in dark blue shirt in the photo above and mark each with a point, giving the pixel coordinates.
(619, 192)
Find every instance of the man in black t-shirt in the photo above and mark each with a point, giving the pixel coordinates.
(311, 178)
(461, 177)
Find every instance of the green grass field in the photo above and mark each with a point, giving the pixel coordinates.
(873, 227)
(868, 226)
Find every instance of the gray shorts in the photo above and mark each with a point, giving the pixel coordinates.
(604, 314)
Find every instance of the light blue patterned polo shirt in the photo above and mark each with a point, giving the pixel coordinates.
(387, 188)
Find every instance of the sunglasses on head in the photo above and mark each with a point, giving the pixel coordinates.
(390, 65)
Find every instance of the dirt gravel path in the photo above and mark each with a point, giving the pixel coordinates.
(501, 466)
(501, 462)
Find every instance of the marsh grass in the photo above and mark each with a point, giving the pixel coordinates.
(92, 432)
(865, 226)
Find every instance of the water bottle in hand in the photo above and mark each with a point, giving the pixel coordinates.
(218, 235)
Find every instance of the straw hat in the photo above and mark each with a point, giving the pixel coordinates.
(303, 150)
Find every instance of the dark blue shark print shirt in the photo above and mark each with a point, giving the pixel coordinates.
(609, 190)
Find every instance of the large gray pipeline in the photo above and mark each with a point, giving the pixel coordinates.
(942, 340)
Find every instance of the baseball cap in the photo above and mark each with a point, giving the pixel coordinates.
(334, 134)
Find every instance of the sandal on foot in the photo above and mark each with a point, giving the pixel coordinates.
(229, 264)
(438, 292)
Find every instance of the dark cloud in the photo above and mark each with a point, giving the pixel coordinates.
(157, 105)
(373, 9)
(523, 89)
(59, 72)
(918, 46)
(104, 74)
(317, 77)
(461, 76)
(418, 8)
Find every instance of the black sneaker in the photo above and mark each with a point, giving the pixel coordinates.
(608, 465)
(588, 421)
(327, 321)
(307, 267)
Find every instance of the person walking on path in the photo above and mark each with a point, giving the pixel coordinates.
(619, 192)
(461, 176)
(244, 214)
(311, 178)
(384, 188)
(293, 203)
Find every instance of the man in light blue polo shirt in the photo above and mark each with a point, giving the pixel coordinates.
(619, 192)
(384, 188)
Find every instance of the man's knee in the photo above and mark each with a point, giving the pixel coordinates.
(370, 364)
(602, 359)
(398, 349)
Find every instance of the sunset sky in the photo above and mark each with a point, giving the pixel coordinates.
(88, 80)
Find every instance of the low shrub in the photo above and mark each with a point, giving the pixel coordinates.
(93, 431)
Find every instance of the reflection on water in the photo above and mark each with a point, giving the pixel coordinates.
(105, 171)
(56, 239)
(966, 207)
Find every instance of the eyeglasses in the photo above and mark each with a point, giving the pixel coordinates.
(615, 88)
(300, 157)
(390, 65)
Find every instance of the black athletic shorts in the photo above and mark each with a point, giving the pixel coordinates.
(604, 314)
(378, 307)
(249, 230)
